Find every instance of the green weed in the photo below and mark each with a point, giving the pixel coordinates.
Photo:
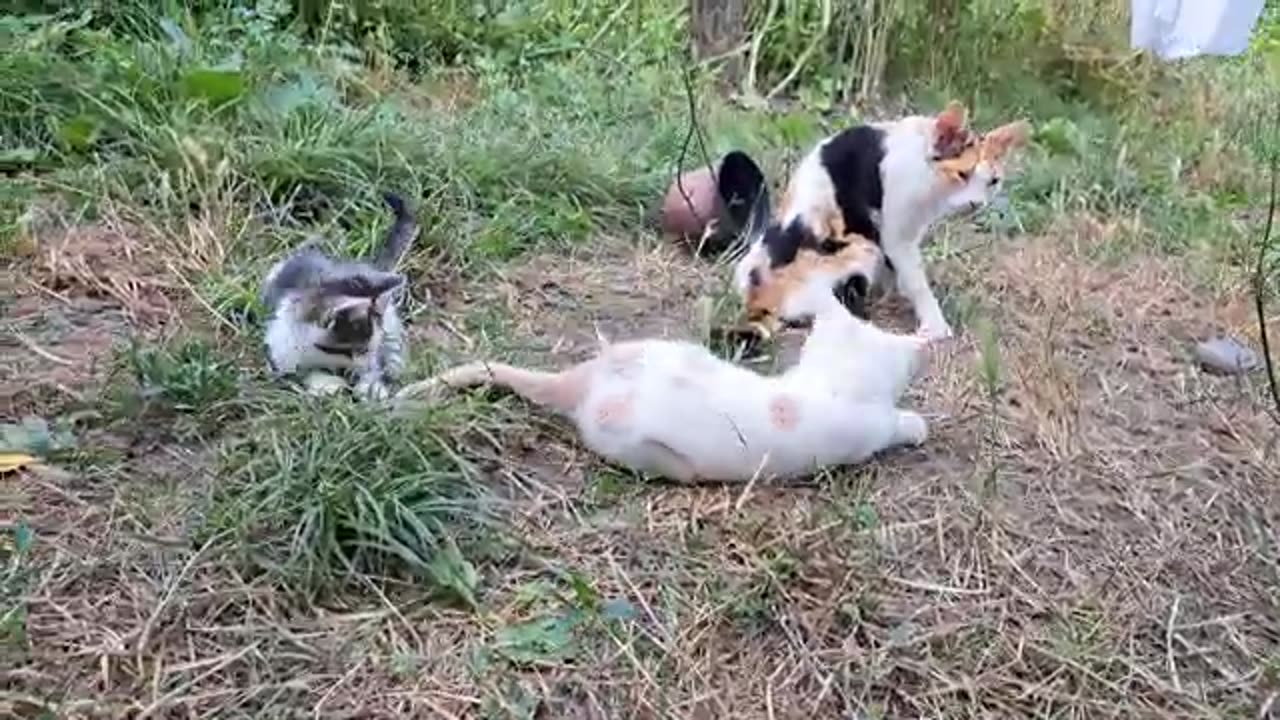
(187, 376)
(16, 576)
(316, 489)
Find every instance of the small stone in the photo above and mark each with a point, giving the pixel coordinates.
(1226, 356)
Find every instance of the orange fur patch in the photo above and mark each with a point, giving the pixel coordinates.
(765, 300)
(784, 412)
(614, 413)
(989, 148)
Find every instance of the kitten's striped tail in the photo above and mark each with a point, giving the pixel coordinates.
(403, 231)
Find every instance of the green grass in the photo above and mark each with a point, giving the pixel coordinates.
(235, 132)
(317, 489)
(270, 125)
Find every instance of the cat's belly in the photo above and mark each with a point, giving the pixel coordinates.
(743, 432)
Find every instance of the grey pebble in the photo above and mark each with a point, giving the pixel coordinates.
(1226, 356)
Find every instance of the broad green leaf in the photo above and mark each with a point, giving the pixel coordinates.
(216, 86)
(23, 538)
(538, 641)
(586, 595)
(79, 133)
(867, 517)
(32, 436)
(14, 158)
(1060, 136)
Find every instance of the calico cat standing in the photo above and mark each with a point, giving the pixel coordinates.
(886, 182)
(675, 410)
(332, 316)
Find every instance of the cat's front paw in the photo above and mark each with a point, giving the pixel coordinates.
(912, 428)
(372, 390)
(935, 331)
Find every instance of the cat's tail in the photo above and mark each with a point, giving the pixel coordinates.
(403, 231)
(558, 391)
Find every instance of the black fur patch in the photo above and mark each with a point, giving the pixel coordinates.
(852, 158)
(353, 327)
(785, 242)
(853, 293)
(362, 285)
(739, 182)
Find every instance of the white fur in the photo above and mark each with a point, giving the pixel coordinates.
(915, 197)
(692, 416)
(291, 346)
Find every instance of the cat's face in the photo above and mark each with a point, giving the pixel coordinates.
(350, 310)
(797, 291)
(974, 175)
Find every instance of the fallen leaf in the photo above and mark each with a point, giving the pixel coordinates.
(10, 462)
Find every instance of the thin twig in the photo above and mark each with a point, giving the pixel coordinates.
(1260, 277)
(33, 347)
(694, 131)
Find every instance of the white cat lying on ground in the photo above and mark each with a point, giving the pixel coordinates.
(675, 410)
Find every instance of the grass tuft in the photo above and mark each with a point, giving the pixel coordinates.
(317, 489)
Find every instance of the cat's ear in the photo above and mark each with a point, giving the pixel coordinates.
(367, 285)
(1007, 137)
(949, 129)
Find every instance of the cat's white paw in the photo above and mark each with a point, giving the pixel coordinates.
(935, 331)
(373, 390)
(912, 429)
(322, 383)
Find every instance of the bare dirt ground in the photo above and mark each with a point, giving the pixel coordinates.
(1096, 539)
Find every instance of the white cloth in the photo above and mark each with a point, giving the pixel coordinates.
(1176, 29)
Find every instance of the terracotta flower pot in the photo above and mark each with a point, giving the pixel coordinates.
(708, 208)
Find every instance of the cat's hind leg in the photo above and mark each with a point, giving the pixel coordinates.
(872, 428)
(909, 428)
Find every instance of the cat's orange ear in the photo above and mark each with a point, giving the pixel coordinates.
(1007, 137)
(949, 131)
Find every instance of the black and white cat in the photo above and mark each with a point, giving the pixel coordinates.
(332, 317)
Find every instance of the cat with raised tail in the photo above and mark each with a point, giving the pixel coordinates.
(673, 409)
(333, 318)
(886, 182)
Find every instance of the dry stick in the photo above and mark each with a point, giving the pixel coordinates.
(1260, 278)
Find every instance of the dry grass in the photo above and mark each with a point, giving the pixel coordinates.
(1107, 551)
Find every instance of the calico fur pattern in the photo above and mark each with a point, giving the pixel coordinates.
(882, 183)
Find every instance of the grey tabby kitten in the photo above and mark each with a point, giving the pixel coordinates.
(339, 316)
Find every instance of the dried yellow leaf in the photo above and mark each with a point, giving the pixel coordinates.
(14, 461)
